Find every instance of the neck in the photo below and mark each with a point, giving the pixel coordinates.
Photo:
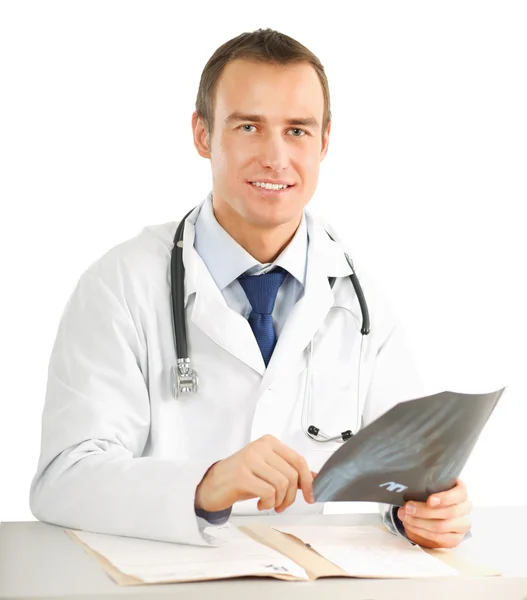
(263, 243)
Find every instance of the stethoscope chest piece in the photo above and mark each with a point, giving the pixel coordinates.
(184, 378)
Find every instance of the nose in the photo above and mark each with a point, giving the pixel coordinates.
(273, 152)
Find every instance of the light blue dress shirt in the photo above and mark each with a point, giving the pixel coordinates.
(226, 260)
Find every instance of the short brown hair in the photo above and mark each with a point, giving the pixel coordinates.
(263, 45)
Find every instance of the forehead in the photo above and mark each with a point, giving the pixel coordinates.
(274, 90)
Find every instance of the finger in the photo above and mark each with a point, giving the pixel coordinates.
(270, 475)
(254, 487)
(443, 540)
(278, 463)
(455, 495)
(423, 511)
(305, 478)
(281, 508)
(413, 507)
(457, 525)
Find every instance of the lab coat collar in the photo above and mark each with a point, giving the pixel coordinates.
(330, 254)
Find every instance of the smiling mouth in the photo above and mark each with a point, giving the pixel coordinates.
(271, 188)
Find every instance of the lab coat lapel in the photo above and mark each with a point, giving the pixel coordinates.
(211, 313)
(223, 325)
(325, 259)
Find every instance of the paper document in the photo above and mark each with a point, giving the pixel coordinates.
(156, 562)
(369, 551)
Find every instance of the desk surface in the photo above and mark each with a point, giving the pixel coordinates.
(40, 561)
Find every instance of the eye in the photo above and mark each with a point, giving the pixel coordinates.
(244, 127)
(301, 131)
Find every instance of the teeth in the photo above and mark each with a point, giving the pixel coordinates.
(270, 186)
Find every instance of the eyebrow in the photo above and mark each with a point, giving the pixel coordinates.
(305, 122)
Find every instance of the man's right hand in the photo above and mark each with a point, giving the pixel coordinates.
(266, 469)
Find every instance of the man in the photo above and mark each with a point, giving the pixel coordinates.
(273, 342)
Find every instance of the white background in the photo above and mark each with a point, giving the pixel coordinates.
(425, 179)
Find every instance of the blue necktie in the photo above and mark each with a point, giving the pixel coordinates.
(261, 292)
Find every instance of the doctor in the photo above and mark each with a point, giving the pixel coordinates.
(276, 347)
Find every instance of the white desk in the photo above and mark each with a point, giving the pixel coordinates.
(40, 561)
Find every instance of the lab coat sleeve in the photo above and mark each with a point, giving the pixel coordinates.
(95, 425)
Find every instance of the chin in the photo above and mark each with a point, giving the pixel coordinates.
(271, 213)
(271, 218)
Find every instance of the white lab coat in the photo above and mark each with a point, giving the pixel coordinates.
(120, 455)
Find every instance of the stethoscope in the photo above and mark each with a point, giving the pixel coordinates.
(185, 378)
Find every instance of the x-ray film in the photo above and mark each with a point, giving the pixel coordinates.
(415, 449)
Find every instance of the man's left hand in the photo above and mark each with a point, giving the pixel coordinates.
(440, 522)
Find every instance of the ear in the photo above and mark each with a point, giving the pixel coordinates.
(201, 138)
(325, 143)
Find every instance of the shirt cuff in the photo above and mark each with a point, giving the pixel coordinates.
(214, 518)
(392, 521)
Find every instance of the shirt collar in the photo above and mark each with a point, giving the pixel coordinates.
(226, 260)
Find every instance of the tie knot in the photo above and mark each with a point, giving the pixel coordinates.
(261, 290)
